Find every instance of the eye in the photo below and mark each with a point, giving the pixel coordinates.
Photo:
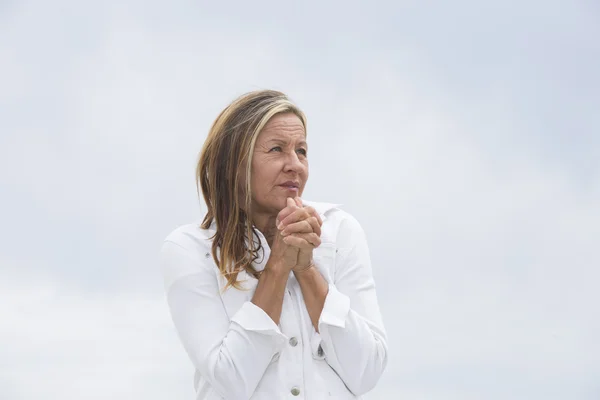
(277, 148)
(302, 151)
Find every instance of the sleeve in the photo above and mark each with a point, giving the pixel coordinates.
(352, 338)
(231, 355)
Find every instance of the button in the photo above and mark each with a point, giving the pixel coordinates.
(320, 351)
(293, 341)
(295, 391)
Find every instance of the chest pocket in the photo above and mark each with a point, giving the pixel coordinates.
(324, 258)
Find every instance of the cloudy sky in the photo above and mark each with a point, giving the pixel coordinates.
(463, 135)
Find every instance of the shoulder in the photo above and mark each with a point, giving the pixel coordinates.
(190, 236)
(184, 252)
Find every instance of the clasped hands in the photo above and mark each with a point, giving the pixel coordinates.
(301, 228)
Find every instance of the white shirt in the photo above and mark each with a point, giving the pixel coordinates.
(239, 352)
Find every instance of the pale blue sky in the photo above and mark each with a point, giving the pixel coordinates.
(464, 136)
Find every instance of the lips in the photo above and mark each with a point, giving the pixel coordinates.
(290, 184)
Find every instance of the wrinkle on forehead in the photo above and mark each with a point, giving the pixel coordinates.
(282, 127)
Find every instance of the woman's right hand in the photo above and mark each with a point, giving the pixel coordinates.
(270, 290)
(283, 256)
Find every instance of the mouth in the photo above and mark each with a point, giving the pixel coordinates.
(290, 185)
(289, 188)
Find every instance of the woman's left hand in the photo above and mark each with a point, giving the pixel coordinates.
(301, 227)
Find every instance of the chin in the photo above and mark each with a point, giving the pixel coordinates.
(274, 204)
(281, 203)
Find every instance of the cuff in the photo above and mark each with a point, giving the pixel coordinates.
(253, 318)
(335, 309)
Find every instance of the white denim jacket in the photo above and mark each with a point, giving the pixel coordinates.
(239, 352)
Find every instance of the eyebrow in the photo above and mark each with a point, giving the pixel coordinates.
(285, 142)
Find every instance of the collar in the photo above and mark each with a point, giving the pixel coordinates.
(321, 208)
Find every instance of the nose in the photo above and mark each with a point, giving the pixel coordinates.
(293, 163)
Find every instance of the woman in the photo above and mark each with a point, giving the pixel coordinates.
(272, 296)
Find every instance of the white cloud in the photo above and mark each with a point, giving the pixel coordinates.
(62, 343)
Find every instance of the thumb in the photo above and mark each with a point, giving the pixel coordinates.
(290, 202)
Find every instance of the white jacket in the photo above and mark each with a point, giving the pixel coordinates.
(239, 352)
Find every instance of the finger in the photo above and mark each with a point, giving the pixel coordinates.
(314, 222)
(302, 227)
(285, 212)
(318, 217)
(298, 214)
(289, 215)
(298, 202)
(314, 213)
(298, 242)
(311, 238)
(297, 227)
(291, 202)
(282, 215)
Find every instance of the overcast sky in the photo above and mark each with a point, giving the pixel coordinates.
(465, 137)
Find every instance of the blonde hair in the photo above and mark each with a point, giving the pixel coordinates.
(227, 152)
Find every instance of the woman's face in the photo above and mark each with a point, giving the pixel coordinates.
(279, 164)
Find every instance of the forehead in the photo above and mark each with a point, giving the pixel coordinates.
(282, 126)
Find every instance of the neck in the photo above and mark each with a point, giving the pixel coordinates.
(265, 223)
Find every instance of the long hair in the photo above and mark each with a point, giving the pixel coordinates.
(224, 166)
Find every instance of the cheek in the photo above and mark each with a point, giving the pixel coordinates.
(256, 172)
(268, 171)
(261, 178)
